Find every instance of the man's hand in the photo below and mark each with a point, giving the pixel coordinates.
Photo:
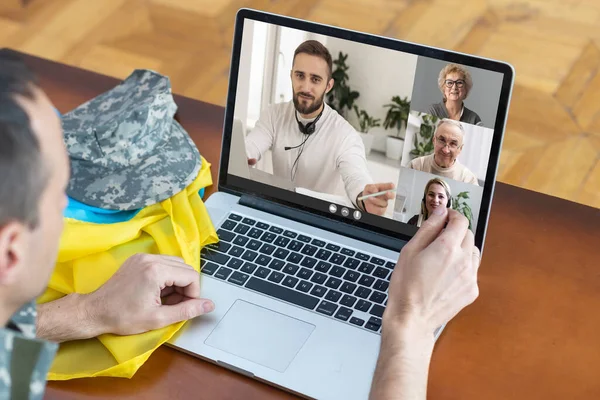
(435, 278)
(378, 204)
(252, 161)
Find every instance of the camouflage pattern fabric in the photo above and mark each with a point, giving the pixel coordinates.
(24, 360)
(126, 150)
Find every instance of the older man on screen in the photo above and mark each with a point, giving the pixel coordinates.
(448, 142)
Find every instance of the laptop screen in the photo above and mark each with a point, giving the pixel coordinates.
(362, 129)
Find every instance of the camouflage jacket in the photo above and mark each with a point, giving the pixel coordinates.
(24, 360)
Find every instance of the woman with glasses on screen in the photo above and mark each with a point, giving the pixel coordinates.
(436, 195)
(455, 83)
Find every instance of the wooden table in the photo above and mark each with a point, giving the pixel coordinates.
(534, 333)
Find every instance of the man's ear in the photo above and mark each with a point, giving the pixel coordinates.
(13, 237)
(329, 85)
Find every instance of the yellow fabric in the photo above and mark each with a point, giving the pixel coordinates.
(91, 253)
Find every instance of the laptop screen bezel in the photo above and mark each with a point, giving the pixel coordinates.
(239, 186)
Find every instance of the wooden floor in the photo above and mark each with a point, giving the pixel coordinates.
(552, 143)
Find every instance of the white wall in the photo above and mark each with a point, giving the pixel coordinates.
(377, 74)
(475, 154)
(412, 184)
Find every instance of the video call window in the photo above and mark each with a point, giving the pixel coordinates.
(343, 122)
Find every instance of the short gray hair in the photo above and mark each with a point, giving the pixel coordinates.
(452, 122)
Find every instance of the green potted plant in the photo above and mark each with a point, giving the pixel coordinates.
(341, 97)
(460, 204)
(396, 117)
(365, 123)
(423, 139)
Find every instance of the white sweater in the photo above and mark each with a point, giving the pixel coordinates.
(458, 172)
(333, 160)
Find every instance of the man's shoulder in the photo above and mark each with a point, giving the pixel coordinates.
(419, 162)
(25, 319)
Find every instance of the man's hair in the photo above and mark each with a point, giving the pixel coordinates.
(452, 122)
(315, 48)
(21, 165)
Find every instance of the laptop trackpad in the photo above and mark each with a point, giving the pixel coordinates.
(260, 335)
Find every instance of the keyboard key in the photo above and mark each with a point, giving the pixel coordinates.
(290, 269)
(377, 297)
(290, 281)
(255, 233)
(281, 241)
(319, 278)
(305, 273)
(333, 283)
(366, 268)
(225, 235)
(228, 225)
(282, 293)
(248, 268)
(275, 229)
(333, 295)
(343, 313)
(337, 259)
(304, 286)
(322, 266)
(327, 308)
(318, 291)
(241, 240)
(295, 245)
(318, 243)
(276, 264)
(377, 310)
(216, 257)
(254, 244)
(351, 276)
(304, 238)
(263, 260)
(337, 271)
(209, 268)
(267, 249)
(294, 258)
(308, 262)
(290, 234)
(219, 246)
(262, 225)
(262, 272)
(323, 254)
(375, 321)
(348, 301)
(309, 250)
(390, 265)
(381, 272)
(242, 229)
(362, 292)
(348, 287)
(357, 321)
(333, 247)
(372, 327)
(235, 263)
(351, 263)
(236, 251)
(276, 277)
(381, 285)
(235, 217)
(362, 256)
(238, 278)
(281, 253)
(363, 305)
(223, 273)
(250, 255)
(366, 280)
(377, 261)
(248, 221)
(348, 252)
(268, 237)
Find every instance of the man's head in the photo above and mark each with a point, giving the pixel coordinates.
(448, 141)
(35, 172)
(311, 76)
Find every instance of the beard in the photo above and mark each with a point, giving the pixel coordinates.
(309, 108)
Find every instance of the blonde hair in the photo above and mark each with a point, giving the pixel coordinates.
(456, 68)
(443, 184)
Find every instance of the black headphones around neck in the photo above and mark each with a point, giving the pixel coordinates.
(309, 128)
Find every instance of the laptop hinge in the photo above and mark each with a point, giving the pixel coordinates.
(318, 221)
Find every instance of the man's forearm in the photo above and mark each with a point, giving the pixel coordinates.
(403, 365)
(67, 318)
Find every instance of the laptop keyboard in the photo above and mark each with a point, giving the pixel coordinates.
(329, 279)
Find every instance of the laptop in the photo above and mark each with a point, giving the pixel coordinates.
(300, 283)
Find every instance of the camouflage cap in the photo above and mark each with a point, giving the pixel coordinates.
(126, 150)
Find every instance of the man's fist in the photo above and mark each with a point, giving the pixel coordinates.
(377, 204)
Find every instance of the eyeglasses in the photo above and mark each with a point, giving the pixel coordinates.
(459, 83)
(444, 143)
